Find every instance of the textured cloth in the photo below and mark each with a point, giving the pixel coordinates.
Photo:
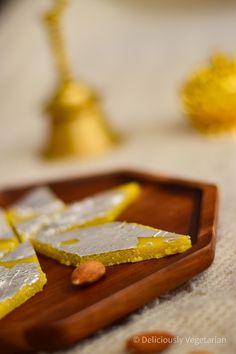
(136, 54)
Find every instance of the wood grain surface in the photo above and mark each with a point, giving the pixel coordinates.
(61, 315)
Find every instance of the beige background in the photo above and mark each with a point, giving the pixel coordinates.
(136, 53)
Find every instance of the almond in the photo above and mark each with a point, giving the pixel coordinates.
(88, 272)
(149, 342)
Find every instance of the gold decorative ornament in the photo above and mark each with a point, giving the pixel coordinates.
(209, 96)
(77, 124)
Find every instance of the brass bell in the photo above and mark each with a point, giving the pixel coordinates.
(77, 123)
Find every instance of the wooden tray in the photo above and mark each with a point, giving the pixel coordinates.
(61, 315)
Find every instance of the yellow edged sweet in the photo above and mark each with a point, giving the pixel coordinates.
(34, 211)
(40, 209)
(110, 243)
(98, 209)
(21, 277)
(36, 202)
(8, 239)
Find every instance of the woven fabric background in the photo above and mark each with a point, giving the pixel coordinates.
(136, 54)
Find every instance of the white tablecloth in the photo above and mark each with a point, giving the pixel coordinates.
(136, 54)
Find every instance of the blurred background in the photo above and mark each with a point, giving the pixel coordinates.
(136, 54)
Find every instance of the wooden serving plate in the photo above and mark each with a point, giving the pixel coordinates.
(61, 315)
